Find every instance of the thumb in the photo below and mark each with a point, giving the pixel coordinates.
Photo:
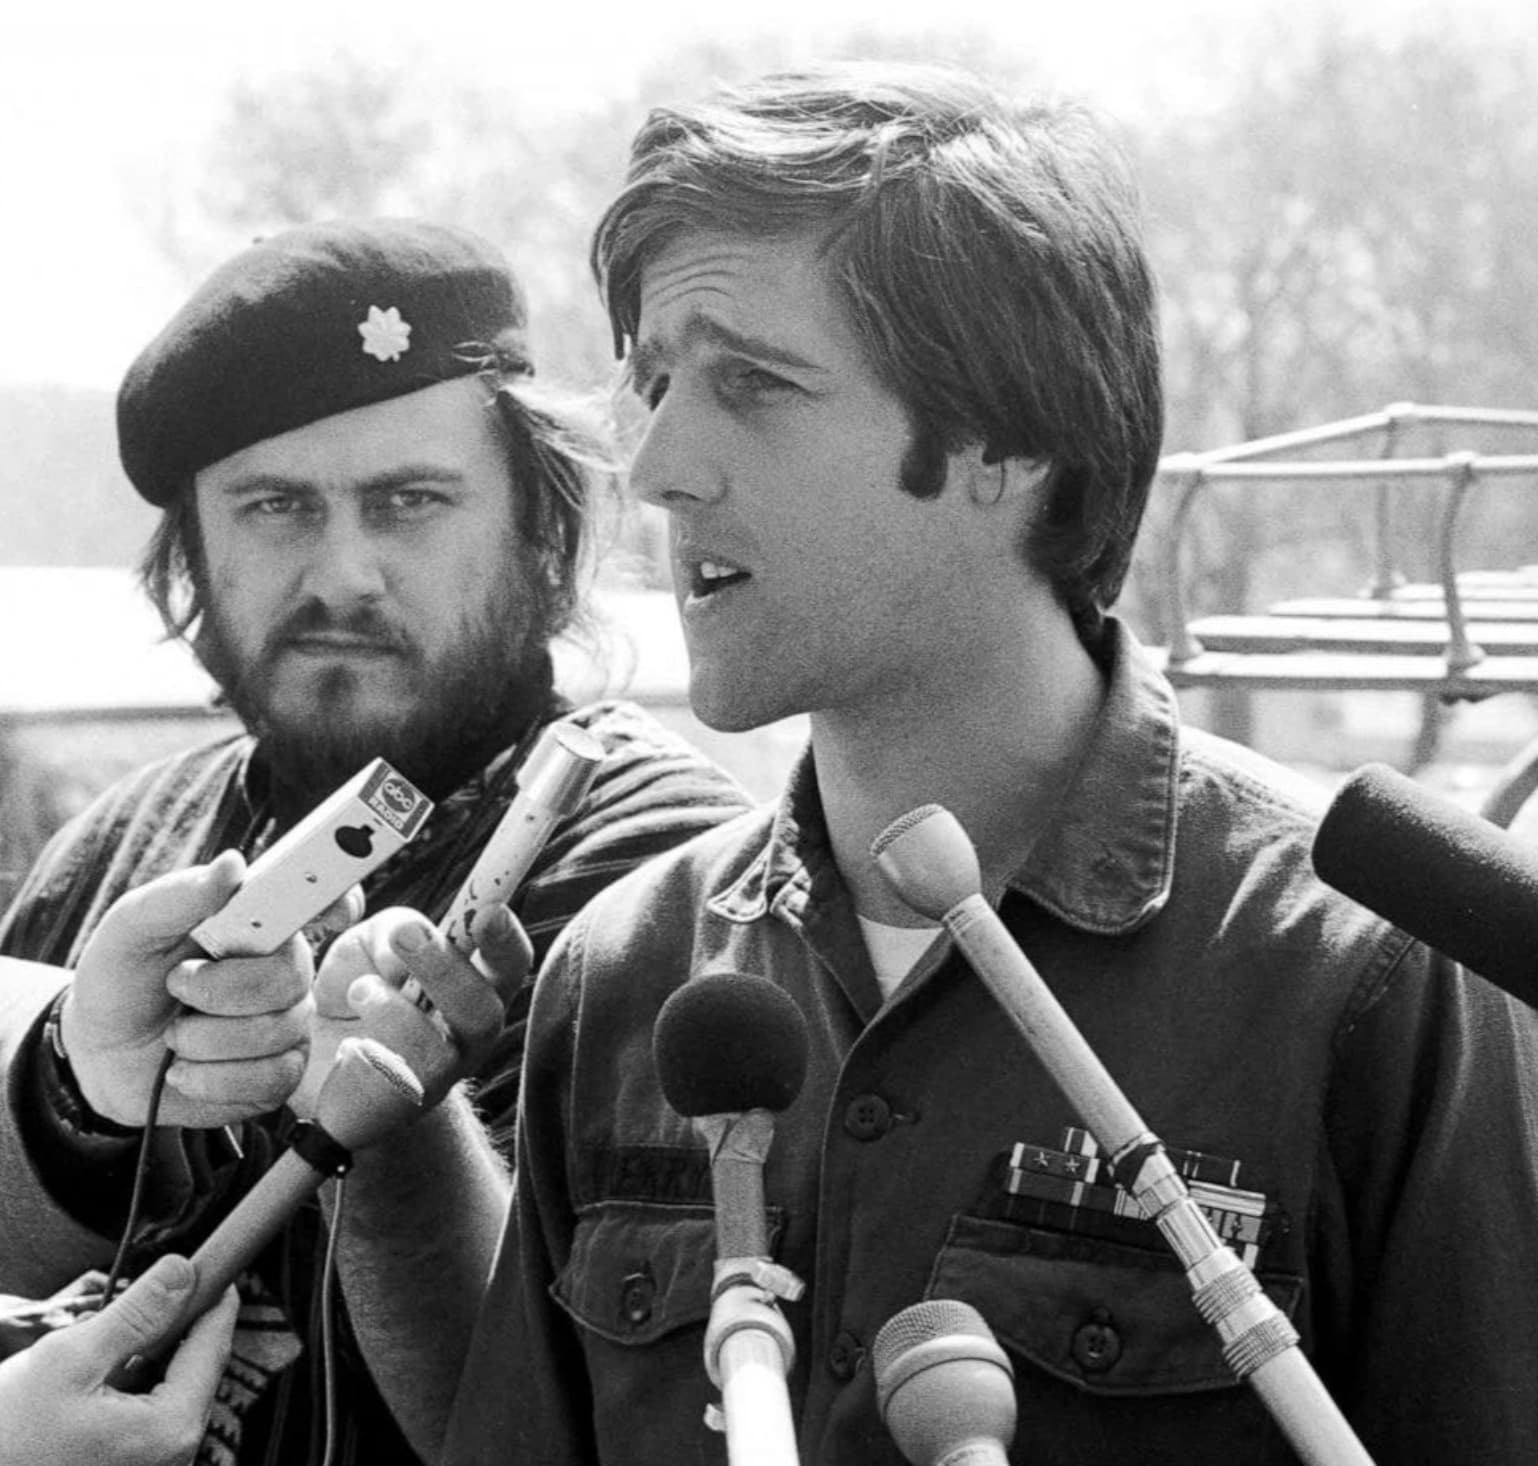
(161, 912)
(145, 1313)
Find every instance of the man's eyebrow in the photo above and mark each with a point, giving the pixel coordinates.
(402, 476)
(409, 474)
(652, 354)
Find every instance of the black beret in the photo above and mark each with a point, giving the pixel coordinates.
(306, 324)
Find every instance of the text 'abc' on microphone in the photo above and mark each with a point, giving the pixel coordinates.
(1448, 877)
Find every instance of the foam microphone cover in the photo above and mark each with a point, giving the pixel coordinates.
(725, 1044)
(1445, 875)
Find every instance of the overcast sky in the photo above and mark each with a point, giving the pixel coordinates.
(96, 96)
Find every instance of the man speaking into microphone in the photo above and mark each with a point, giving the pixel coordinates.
(897, 340)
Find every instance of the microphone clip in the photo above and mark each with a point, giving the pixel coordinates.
(756, 1272)
(745, 1316)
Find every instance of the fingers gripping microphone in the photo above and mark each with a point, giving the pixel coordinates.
(944, 1387)
(931, 864)
(730, 1053)
(1458, 882)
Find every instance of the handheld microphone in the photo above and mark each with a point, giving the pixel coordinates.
(342, 840)
(730, 1051)
(552, 782)
(931, 864)
(944, 1387)
(1454, 880)
(368, 1093)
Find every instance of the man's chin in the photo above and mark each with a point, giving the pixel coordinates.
(352, 720)
(332, 731)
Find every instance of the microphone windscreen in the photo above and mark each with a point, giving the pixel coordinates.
(1456, 881)
(726, 1043)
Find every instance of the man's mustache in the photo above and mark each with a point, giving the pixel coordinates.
(315, 618)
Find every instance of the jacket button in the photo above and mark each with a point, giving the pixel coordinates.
(1096, 1344)
(637, 1294)
(868, 1117)
(845, 1355)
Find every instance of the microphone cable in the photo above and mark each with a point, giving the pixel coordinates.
(328, 1365)
(141, 1177)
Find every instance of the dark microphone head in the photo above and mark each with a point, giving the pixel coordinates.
(725, 1044)
(943, 1383)
(1458, 882)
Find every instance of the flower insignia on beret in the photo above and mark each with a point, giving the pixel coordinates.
(385, 335)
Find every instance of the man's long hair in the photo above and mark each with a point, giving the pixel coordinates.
(987, 253)
(564, 477)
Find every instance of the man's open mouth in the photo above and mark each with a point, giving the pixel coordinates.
(708, 577)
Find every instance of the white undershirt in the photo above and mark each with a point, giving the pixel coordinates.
(894, 950)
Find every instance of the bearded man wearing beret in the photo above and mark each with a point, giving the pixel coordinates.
(373, 528)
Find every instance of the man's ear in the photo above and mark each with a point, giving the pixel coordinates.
(986, 480)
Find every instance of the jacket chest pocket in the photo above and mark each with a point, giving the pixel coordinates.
(1112, 1360)
(1107, 1318)
(639, 1271)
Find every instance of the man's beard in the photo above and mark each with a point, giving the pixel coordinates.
(465, 705)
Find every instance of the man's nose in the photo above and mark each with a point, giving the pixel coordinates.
(679, 458)
(344, 565)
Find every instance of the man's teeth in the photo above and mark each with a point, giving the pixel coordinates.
(714, 570)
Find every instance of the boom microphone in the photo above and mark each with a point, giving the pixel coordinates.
(730, 1052)
(944, 1387)
(930, 863)
(1454, 880)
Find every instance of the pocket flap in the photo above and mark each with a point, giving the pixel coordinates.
(639, 1270)
(1111, 1319)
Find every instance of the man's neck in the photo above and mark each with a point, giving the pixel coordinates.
(1000, 758)
(290, 799)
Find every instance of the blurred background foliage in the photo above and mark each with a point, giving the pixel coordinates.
(1340, 218)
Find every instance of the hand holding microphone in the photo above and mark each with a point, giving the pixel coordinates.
(931, 864)
(238, 1029)
(236, 1020)
(461, 976)
(444, 1034)
(730, 1053)
(58, 1409)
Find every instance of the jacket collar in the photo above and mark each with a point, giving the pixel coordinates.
(1105, 863)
